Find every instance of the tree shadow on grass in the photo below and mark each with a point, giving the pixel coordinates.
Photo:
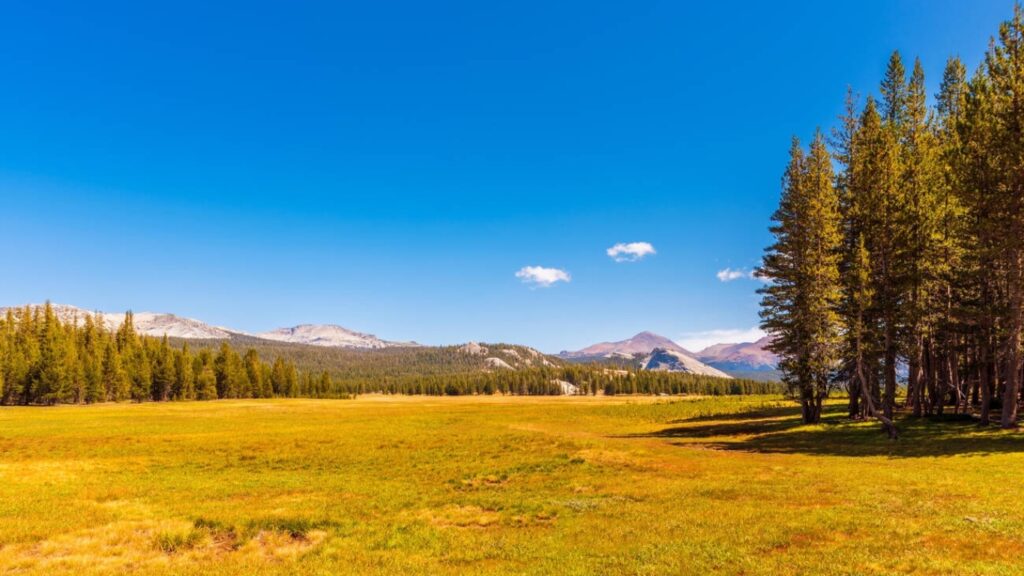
(753, 413)
(780, 431)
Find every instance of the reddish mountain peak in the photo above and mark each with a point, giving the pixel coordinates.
(746, 355)
(642, 343)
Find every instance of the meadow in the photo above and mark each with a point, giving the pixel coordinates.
(501, 485)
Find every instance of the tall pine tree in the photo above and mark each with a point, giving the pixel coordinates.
(800, 302)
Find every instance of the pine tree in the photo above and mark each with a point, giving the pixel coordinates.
(950, 225)
(92, 360)
(878, 204)
(978, 276)
(254, 372)
(1005, 64)
(894, 92)
(921, 221)
(291, 380)
(163, 372)
(266, 375)
(184, 377)
(115, 383)
(140, 372)
(5, 353)
(26, 357)
(52, 382)
(126, 337)
(844, 141)
(799, 304)
(206, 384)
(279, 378)
(324, 386)
(857, 302)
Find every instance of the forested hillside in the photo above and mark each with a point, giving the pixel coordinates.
(910, 252)
(44, 360)
(395, 361)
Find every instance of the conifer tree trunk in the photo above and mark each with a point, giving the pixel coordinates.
(1009, 417)
(854, 403)
(956, 391)
(987, 382)
(918, 370)
(889, 398)
(869, 402)
(933, 381)
(979, 376)
(867, 397)
(943, 384)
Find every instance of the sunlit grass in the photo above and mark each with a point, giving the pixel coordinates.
(501, 486)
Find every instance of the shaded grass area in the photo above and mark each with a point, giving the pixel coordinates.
(501, 486)
(779, 430)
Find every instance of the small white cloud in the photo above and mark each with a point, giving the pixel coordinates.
(541, 276)
(730, 274)
(697, 341)
(630, 252)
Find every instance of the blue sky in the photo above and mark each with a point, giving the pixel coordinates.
(391, 166)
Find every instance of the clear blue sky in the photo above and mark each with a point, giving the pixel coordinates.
(390, 166)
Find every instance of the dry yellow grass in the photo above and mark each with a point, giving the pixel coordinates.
(487, 485)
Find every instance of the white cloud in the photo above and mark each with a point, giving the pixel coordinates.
(630, 252)
(697, 341)
(541, 276)
(730, 274)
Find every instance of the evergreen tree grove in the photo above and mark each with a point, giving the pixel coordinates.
(930, 251)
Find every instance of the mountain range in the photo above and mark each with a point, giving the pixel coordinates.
(648, 350)
(329, 335)
(161, 324)
(661, 359)
(744, 357)
(749, 356)
(146, 323)
(642, 343)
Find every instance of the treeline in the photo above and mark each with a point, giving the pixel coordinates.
(44, 360)
(899, 243)
(583, 380)
(451, 370)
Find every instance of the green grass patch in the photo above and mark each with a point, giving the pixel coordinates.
(491, 485)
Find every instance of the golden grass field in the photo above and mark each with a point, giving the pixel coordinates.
(490, 485)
